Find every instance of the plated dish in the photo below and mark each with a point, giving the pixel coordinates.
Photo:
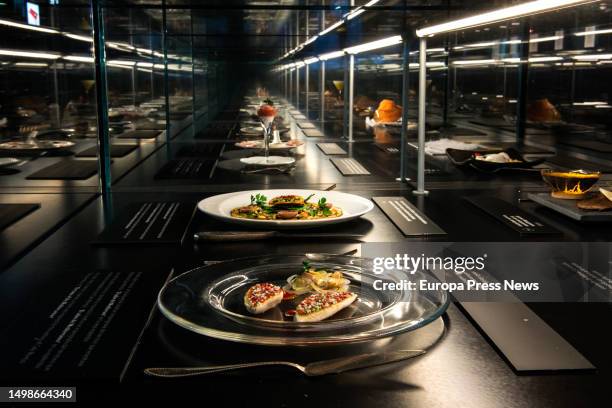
(8, 161)
(270, 161)
(345, 206)
(312, 296)
(258, 144)
(36, 145)
(210, 301)
(491, 161)
(286, 207)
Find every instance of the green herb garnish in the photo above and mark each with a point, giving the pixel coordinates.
(306, 266)
(308, 198)
(259, 199)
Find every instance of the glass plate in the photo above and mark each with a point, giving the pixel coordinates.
(208, 300)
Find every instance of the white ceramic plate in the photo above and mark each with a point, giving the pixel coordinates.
(220, 207)
(258, 144)
(8, 161)
(252, 131)
(269, 161)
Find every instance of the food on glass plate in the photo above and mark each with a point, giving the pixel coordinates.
(262, 297)
(320, 306)
(315, 280)
(326, 293)
(286, 207)
(501, 157)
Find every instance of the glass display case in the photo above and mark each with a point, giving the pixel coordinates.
(171, 69)
(47, 97)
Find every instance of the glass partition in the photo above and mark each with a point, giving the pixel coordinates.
(47, 95)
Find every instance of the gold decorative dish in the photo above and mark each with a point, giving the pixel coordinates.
(570, 185)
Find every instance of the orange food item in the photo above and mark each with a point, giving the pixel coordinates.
(388, 111)
(542, 110)
(266, 111)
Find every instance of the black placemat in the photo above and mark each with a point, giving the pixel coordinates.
(513, 217)
(149, 223)
(331, 148)
(390, 148)
(83, 324)
(527, 342)
(406, 217)
(571, 163)
(140, 134)
(116, 150)
(306, 125)
(10, 213)
(349, 167)
(312, 133)
(594, 145)
(186, 169)
(202, 150)
(69, 169)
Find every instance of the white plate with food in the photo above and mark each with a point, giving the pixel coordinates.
(270, 161)
(286, 208)
(296, 300)
(8, 161)
(36, 145)
(258, 144)
(252, 131)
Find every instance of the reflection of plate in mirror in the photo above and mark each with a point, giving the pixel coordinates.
(8, 161)
(252, 131)
(268, 161)
(36, 145)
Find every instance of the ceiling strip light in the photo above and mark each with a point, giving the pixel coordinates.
(14, 24)
(30, 54)
(374, 45)
(520, 10)
(331, 55)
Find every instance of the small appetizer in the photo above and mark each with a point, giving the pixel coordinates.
(387, 112)
(262, 297)
(266, 113)
(320, 306)
(316, 280)
(501, 157)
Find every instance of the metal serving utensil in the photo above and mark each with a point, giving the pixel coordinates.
(284, 169)
(317, 368)
(235, 236)
(311, 256)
